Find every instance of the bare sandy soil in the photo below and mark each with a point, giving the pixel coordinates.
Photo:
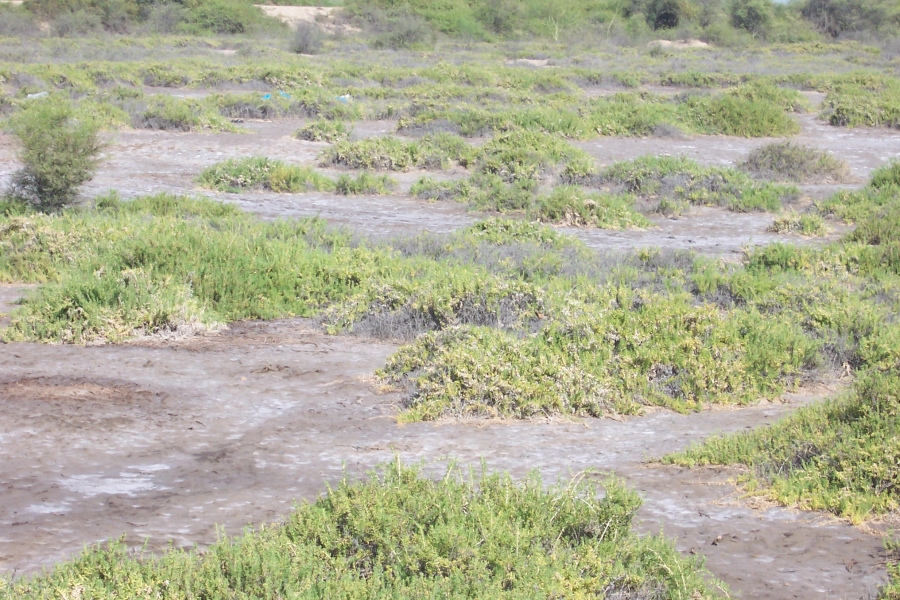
(293, 16)
(164, 441)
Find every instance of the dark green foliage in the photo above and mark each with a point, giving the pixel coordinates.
(835, 17)
(754, 16)
(401, 535)
(60, 151)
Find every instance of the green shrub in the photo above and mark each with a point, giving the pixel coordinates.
(891, 589)
(60, 152)
(805, 224)
(787, 161)
(854, 105)
(478, 372)
(677, 182)
(324, 131)
(886, 176)
(364, 183)
(400, 534)
(522, 155)
(222, 16)
(570, 205)
(730, 114)
(175, 114)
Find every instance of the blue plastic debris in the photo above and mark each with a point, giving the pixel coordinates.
(267, 96)
(284, 95)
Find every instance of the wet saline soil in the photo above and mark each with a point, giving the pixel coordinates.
(165, 441)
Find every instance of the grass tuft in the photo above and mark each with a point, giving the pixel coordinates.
(787, 161)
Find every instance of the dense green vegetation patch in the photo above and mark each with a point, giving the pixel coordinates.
(860, 105)
(257, 172)
(399, 534)
(563, 205)
(670, 184)
(439, 151)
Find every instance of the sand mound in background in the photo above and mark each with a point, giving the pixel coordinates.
(323, 16)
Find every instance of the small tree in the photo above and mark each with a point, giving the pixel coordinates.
(59, 152)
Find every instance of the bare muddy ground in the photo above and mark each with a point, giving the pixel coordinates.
(166, 440)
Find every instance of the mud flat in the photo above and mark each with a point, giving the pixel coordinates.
(165, 440)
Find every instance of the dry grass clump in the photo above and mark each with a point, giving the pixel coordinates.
(797, 163)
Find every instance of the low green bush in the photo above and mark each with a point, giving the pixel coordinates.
(174, 114)
(841, 455)
(887, 176)
(324, 131)
(364, 183)
(730, 114)
(677, 182)
(805, 224)
(259, 172)
(571, 205)
(855, 105)
(400, 534)
(439, 151)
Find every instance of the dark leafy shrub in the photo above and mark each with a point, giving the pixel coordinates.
(222, 16)
(835, 17)
(406, 31)
(60, 152)
(80, 22)
(663, 14)
(165, 18)
(754, 16)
